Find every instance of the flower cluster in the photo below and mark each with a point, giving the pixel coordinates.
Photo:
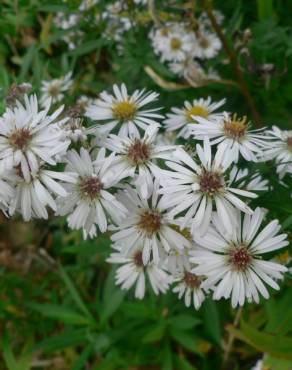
(178, 215)
(186, 45)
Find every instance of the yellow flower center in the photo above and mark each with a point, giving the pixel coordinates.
(196, 110)
(54, 89)
(175, 43)
(235, 128)
(124, 110)
(204, 42)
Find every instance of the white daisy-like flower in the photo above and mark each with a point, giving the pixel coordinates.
(89, 200)
(245, 179)
(134, 271)
(148, 225)
(7, 191)
(189, 69)
(173, 43)
(207, 45)
(123, 111)
(28, 136)
(33, 197)
(204, 20)
(232, 135)
(74, 130)
(279, 148)
(197, 188)
(56, 88)
(135, 157)
(232, 261)
(184, 118)
(189, 286)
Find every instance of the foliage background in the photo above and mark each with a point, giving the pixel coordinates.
(59, 307)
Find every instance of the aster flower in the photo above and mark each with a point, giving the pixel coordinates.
(207, 45)
(279, 148)
(173, 42)
(7, 191)
(56, 88)
(33, 197)
(89, 201)
(147, 225)
(196, 188)
(189, 286)
(123, 111)
(247, 180)
(233, 262)
(233, 136)
(28, 136)
(135, 157)
(185, 118)
(134, 271)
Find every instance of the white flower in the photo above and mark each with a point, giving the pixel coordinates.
(204, 20)
(7, 191)
(28, 136)
(185, 118)
(133, 271)
(188, 68)
(233, 136)
(89, 201)
(189, 286)
(148, 225)
(135, 157)
(232, 261)
(123, 111)
(279, 148)
(244, 178)
(207, 45)
(196, 188)
(173, 42)
(55, 88)
(34, 196)
(74, 130)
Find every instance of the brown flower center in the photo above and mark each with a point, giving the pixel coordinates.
(20, 139)
(191, 280)
(210, 183)
(137, 258)
(240, 258)
(150, 222)
(54, 89)
(289, 143)
(196, 110)
(175, 43)
(124, 110)
(204, 42)
(91, 187)
(235, 128)
(139, 152)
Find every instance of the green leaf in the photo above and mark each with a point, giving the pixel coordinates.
(64, 314)
(74, 293)
(155, 333)
(265, 9)
(211, 320)
(80, 363)
(8, 355)
(276, 345)
(87, 47)
(184, 322)
(183, 364)
(68, 338)
(186, 340)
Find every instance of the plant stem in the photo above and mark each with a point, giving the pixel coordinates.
(153, 13)
(234, 62)
(231, 337)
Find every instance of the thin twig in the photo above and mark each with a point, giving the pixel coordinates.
(231, 337)
(234, 62)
